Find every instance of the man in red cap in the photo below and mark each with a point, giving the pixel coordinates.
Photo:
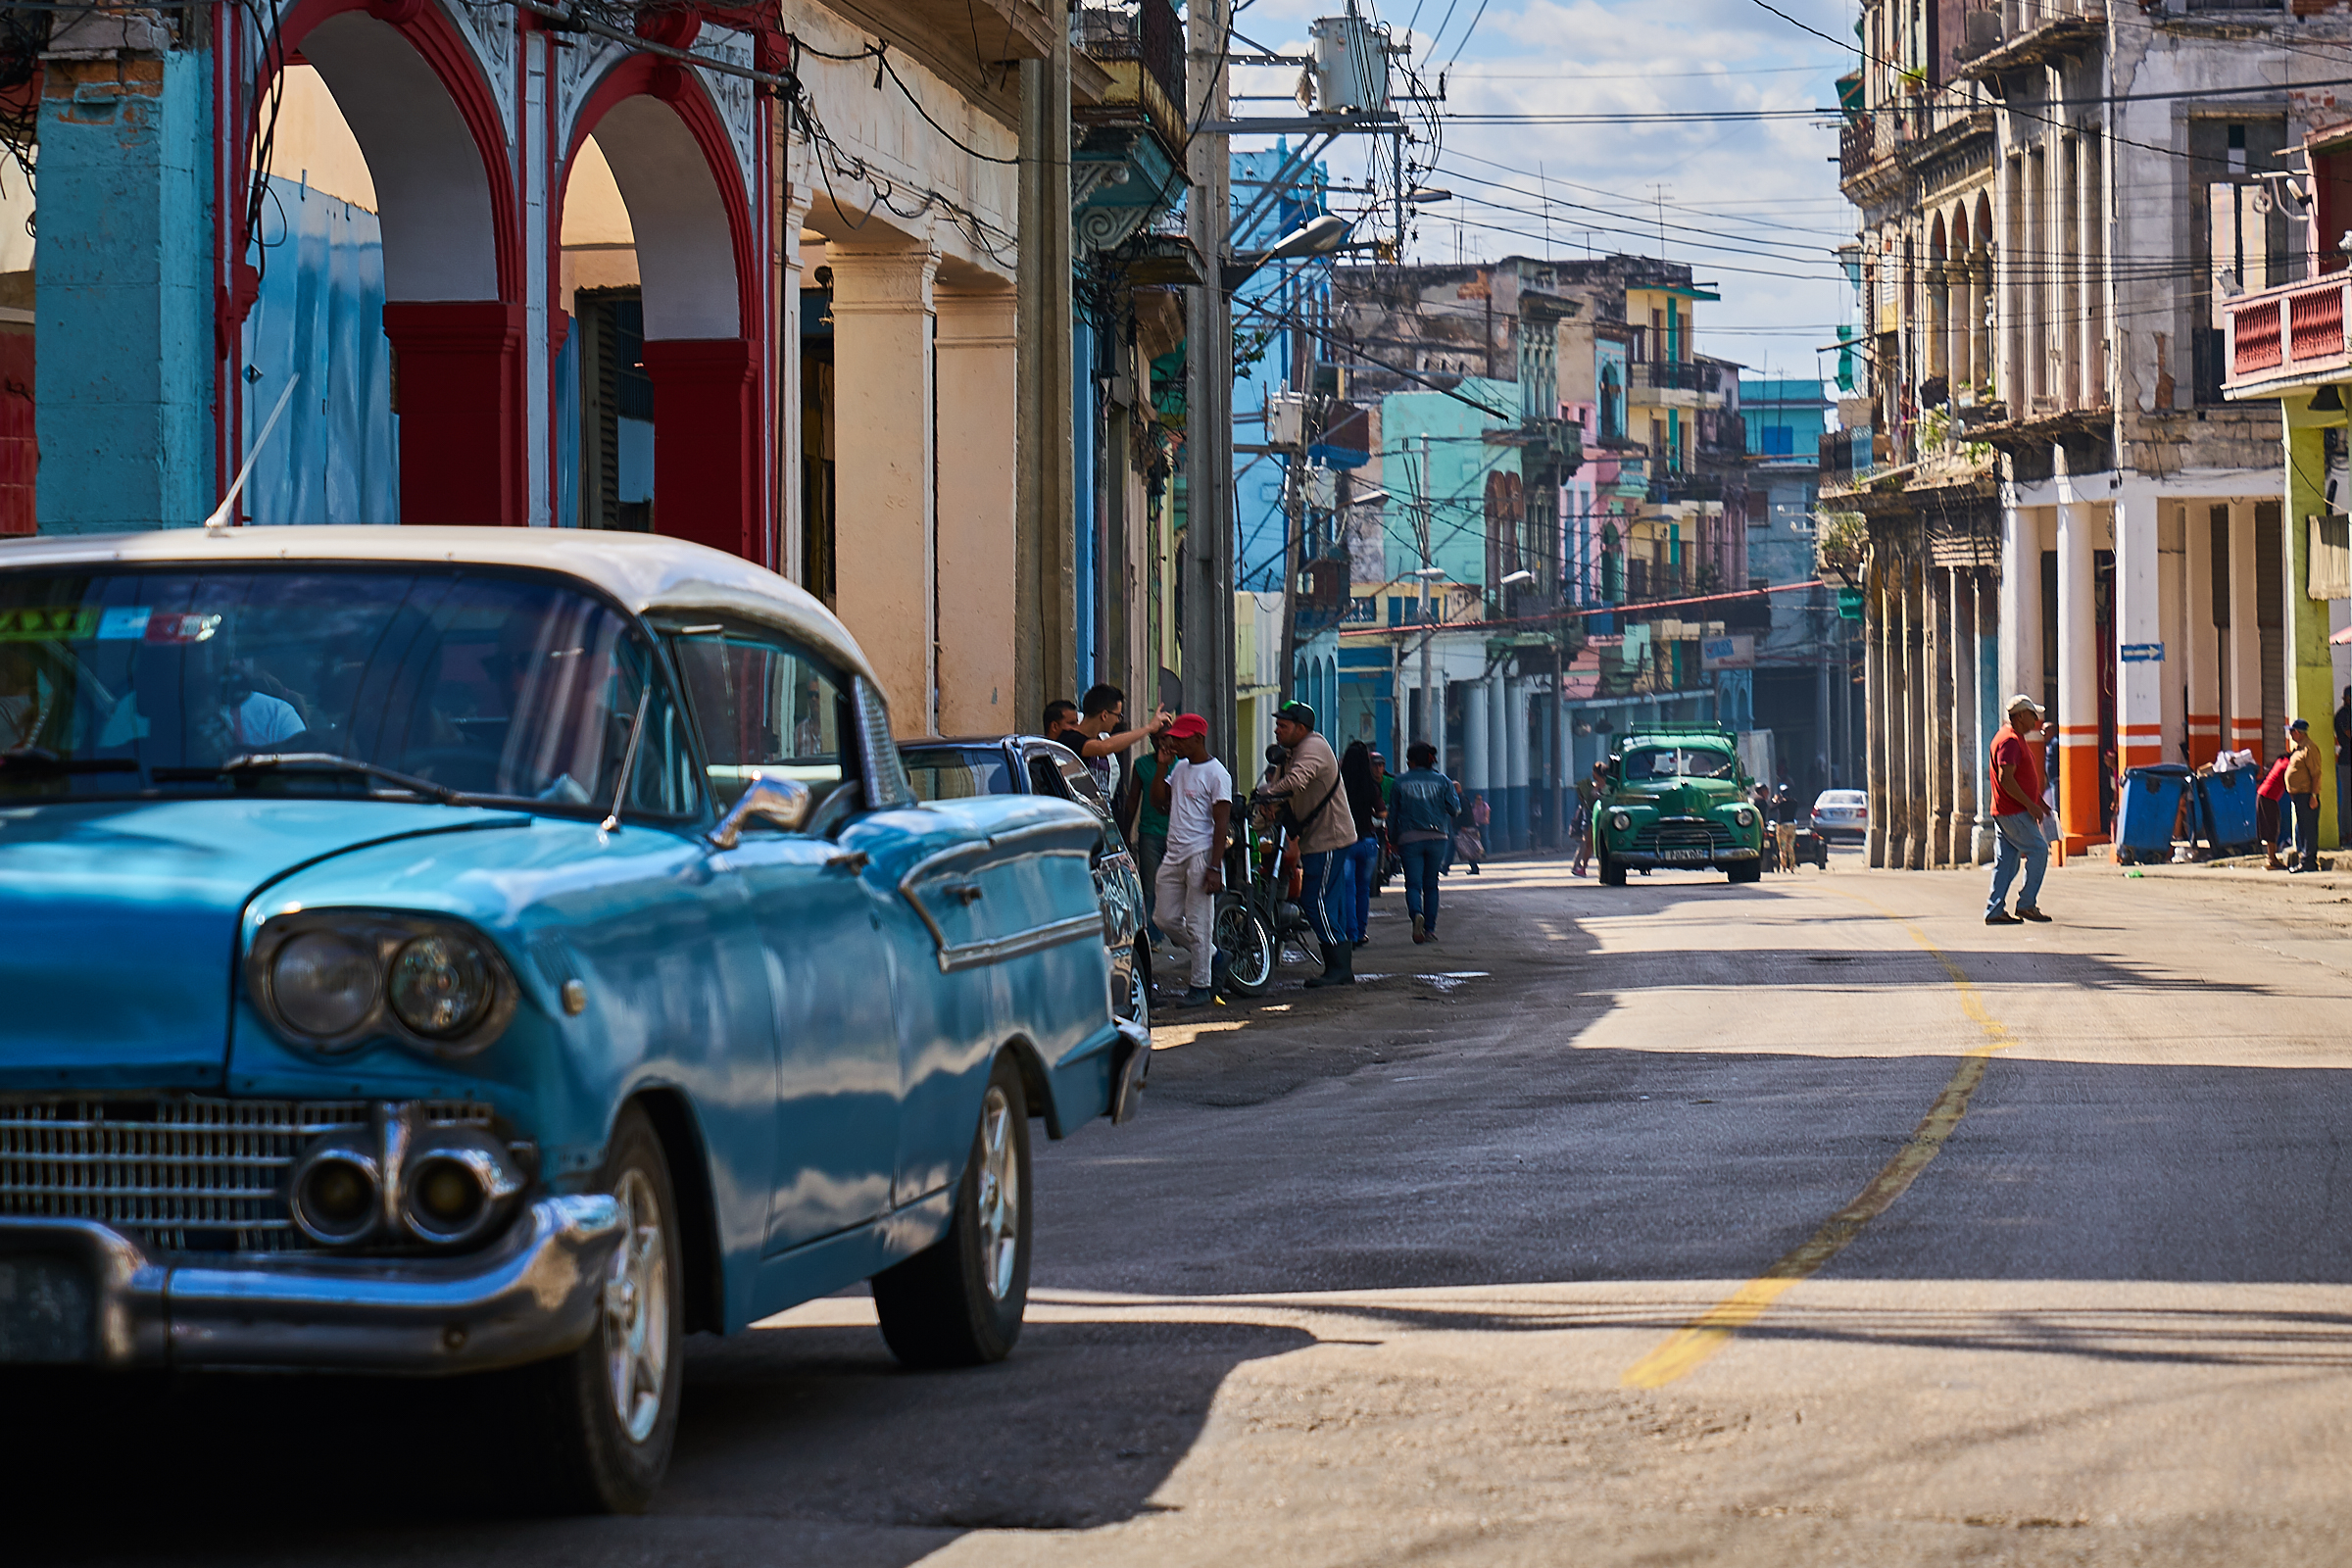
(1197, 793)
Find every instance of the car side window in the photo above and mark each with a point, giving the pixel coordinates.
(1081, 786)
(887, 785)
(762, 705)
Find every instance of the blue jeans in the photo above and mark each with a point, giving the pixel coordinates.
(1363, 864)
(1422, 862)
(2306, 809)
(1329, 897)
(2017, 834)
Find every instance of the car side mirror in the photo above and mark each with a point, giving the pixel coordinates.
(770, 800)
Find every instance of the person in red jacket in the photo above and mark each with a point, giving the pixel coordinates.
(2267, 795)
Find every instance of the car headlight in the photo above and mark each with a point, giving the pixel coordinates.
(335, 980)
(325, 982)
(440, 985)
(1620, 822)
(1744, 817)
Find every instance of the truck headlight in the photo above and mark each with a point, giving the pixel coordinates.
(1620, 822)
(334, 980)
(1744, 816)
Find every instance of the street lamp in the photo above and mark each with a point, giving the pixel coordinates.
(1516, 577)
(1320, 236)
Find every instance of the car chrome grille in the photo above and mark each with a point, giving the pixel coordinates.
(1681, 833)
(177, 1175)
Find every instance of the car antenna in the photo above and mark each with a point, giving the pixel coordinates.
(217, 522)
(628, 760)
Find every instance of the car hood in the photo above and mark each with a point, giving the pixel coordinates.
(118, 925)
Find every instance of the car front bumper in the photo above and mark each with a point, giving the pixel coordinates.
(1683, 859)
(75, 1292)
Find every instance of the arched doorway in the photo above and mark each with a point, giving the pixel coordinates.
(684, 296)
(414, 98)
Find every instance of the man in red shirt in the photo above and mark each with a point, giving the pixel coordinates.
(2017, 814)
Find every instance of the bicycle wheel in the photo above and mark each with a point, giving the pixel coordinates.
(1243, 943)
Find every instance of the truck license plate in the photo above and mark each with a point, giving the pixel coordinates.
(47, 1315)
(1686, 855)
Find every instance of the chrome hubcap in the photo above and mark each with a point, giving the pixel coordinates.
(637, 1312)
(999, 1194)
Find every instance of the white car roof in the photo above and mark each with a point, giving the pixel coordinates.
(645, 572)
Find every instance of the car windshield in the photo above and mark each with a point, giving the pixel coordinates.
(1649, 763)
(1829, 798)
(957, 772)
(507, 685)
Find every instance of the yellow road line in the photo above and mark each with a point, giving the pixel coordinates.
(1690, 1346)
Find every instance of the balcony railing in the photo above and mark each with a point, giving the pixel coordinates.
(1845, 456)
(2285, 336)
(1667, 488)
(1678, 375)
(1145, 33)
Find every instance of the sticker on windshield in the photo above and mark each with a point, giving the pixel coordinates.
(43, 624)
(124, 623)
(177, 628)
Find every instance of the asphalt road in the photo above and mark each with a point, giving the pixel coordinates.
(1799, 1223)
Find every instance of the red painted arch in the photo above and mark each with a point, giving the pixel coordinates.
(428, 30)
(654, 77)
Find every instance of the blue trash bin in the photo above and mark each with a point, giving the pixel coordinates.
(2145, 814)
(2226, 802)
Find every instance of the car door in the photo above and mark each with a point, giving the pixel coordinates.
(765, 704)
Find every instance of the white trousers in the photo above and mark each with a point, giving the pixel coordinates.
(1187, 907)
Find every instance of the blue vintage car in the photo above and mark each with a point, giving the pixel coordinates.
(479, 951)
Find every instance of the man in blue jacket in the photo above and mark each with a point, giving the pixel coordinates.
(1421, 814)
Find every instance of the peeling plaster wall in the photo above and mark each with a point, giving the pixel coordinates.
(123, 293)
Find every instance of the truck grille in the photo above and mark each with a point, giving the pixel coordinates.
(1681, 833)
(177, 1175)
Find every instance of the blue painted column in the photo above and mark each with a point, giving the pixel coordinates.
(123, 291)
(1515, 715)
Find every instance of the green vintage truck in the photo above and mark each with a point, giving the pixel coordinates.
(1677, 796)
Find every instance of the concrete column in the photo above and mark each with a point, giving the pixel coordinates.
(2078, 671)
(977, 381)
(2172, 566)
(1877, 609)
(1938, 745)
(2138, 620)
(1434, 721)
(886, 589)
(1901, 659)
(1476, 772)
(1961, 836)
(2201, 640)
(2243, 722)
(2018, 642)
(1516, 713)
(1918, 687)
(123, 295)
(1992, 697)
(2310, 671)
(1043, 638)
(792, 217)
(1498, 758)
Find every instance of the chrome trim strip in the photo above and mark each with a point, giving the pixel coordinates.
(997, 950)
(533, 1294)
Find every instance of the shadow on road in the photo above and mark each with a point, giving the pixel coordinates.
(796, 1444)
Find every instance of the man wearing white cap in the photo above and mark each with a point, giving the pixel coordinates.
(2017, 814)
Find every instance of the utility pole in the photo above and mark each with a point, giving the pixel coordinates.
(1429, 725)
(1205, 563)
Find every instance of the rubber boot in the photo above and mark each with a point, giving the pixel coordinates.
(1339, 964)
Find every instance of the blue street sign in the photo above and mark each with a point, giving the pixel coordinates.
(2142, 652)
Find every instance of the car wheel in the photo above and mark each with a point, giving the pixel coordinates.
(1244, 944)
(1138, 1006)
(607, 1412)
(1612, 872)
(959, 1301)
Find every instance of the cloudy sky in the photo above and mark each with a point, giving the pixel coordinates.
(1752, 204)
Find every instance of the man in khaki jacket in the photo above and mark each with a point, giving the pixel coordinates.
(2303, 794)
(1309, 781)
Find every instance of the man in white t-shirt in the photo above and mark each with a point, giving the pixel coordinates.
(1198, 796)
